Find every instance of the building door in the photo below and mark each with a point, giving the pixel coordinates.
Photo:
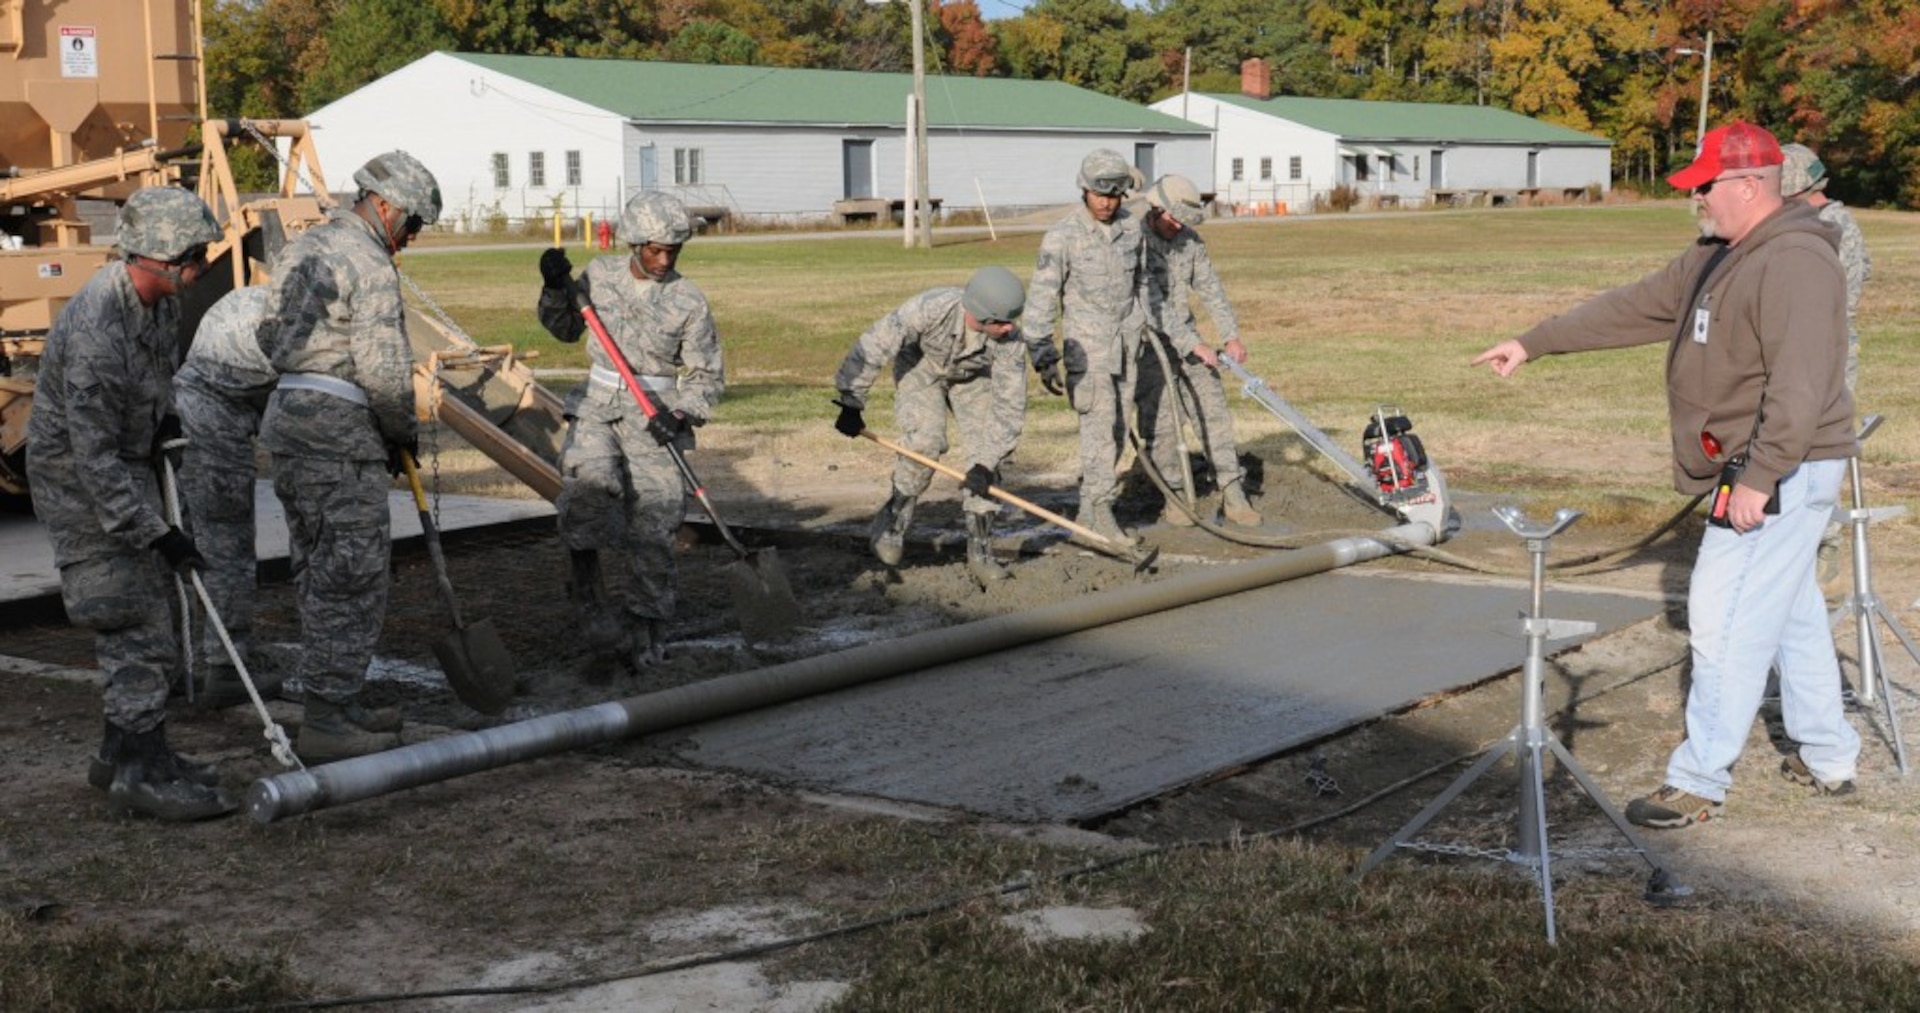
(1143, 160)
(649, 167)
(856, 169)
(1436, 167)
(1533, 170)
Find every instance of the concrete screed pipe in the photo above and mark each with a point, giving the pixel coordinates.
(364, 777)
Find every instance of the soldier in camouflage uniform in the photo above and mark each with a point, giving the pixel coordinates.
(620, 487)
(954, 351)
(101, 411)
(1804, 177)
(219, 394)
(1090, 284)
(1179, 271)
(336, 425)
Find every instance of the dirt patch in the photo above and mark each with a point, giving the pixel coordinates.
(604, 859)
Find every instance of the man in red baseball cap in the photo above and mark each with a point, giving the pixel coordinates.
(1754, 315)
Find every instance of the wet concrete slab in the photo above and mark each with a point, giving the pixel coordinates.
(26, 557)
(1084, 725)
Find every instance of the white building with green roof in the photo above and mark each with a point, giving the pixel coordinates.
(516, 137)
(1295, 151)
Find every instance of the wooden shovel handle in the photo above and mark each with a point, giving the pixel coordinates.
(998, 493)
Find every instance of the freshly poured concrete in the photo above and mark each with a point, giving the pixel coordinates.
(26, 557)
(1086, 724)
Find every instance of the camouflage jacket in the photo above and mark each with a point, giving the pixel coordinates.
(664, 329)
(335, 311)
(1178, 270)
(1853, 251)
(225, 358)
(1090, 283)
(105, 382)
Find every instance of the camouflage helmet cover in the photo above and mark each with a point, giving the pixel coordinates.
(1802, 171)
(1106, 171)
(1179, 198)
(993, 294)
(655, 217)
(164, 222)
(403, 181)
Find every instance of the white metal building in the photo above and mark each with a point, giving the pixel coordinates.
(518, 137)
(1294, 151)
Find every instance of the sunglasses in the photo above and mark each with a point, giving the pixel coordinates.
(1706, 188)
(192, 255)
(414, 224)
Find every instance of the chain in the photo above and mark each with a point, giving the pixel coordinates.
(433, 310)
(274, 150)
(1508, 855)
(1323, 783)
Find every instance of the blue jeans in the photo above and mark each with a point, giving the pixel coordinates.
(1753, 604)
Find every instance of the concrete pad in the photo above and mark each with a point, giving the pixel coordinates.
(26, 555)
(1112, 716)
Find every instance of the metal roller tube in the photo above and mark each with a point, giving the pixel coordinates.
(364, 777)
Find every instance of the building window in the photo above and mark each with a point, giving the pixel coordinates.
(1293, 167)
(500, 179)
(1388, 166)
(1239, 169)
(1416, 168)
(573, 168)
(686, 166)
(537, 168)
(1266, 169)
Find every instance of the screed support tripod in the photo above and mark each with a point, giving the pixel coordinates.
(1864, 606)
(1530, 741)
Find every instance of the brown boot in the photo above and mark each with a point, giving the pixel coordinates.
(100, 768)
(332, 731)
(985, 569)
(1236, 507)
(1099, 517)
(889, 538)
(149, 779)
(1173, 516)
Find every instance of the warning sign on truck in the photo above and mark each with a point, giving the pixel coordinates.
(79, 55)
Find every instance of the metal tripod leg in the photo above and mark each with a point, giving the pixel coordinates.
(1863, 605)
(1529, 743)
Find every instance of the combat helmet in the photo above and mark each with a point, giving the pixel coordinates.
(164, 222)
(1105, 171)
(404, 182)
(655, 217)
(993, 294)
(1801, 171)
(1179, 198)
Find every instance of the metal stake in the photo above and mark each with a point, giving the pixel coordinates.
(1863, 605)
(1531, 740)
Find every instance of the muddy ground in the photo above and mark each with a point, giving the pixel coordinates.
(613, 856)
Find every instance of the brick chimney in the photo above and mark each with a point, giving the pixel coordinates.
(1256, 80)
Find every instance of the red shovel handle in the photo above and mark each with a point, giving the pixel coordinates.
(599, 330)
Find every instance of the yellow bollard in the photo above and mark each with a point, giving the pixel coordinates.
(556, 229)
(586, 230)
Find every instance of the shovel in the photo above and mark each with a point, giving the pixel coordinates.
(1093, 539)
(762, 598)
(477, 664)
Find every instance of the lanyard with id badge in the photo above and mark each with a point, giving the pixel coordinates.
(1737, 464)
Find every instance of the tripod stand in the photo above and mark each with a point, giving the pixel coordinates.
(1863, 605)
(1530, 741)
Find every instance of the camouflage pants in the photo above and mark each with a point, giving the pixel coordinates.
(921, 403)
(216, 489)
(124, 598)
(1102, 400)
(340, 538)
(1199, 388)
(622, 493)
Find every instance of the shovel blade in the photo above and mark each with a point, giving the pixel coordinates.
(478, 666)
(762, 598)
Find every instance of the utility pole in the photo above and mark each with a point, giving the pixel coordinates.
(1706, 79)
(922, 212)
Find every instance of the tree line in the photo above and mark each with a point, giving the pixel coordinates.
(1837, 75)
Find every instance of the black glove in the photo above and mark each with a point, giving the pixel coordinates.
(555, 269)
(178, 550)
(395, 466)
(850, 423)
(167, 432)
(1050, 378)
(978, 478)
(666, 427)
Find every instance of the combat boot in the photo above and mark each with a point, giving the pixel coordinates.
(980, 562)
(224, 688)
(589, 593)
(331, 731)
(647, 644)
(1172, 514)
(100, 768)
(1237, 508)
(149, 780)
(1099, 517)
(889, 538)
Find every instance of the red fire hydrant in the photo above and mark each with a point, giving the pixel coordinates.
(604, 231)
